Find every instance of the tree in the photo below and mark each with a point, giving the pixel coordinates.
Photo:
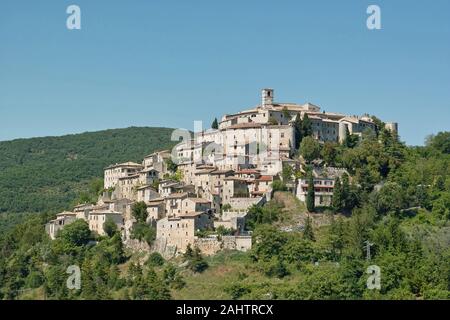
(440, 142)
(268, 241)
(349, 198)
(329, 153)
(306, 126)
(139, 211)
(337, 200)
(155, 260)
(144, 232)
(310, 196)
(177, 176)
(263, 214)
(222, 231)
(302, 129)
(215, 124)
(274, 267)
(195, 260)
(172, 277)
(287, 173)
(351, 140)
(308, 232)
(389, 198)
(273, 121)
(279, 185)
(149, 286)
(76, 234)
(336, 238)
(310, 149)
(110, 227)
(298, 131)
(236, 290)
(171, 166)
(286, 113)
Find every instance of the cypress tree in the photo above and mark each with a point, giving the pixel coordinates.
(345, 193)
(215, 124)
(310, 196)
(298, 129)
(306, 126)
(337, 195)
(308, 233)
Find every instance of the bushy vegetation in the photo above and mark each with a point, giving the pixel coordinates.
(194, 259)
(50, 174)
(396, 198)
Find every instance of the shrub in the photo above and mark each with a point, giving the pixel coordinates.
(155, 260)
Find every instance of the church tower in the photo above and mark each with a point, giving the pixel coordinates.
(267, 98)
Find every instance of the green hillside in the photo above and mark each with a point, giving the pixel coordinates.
(398, 199)
(47, 174)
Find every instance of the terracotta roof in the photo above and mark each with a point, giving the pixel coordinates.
(222, 171)
(131, 176)
(244, 126)
(265, 178)
(146, 187)
(199, 200)
(172, 184)
(258, 192)
(125, 164)
(154, 202)
(148, 170)
(106, 212)
(236, 178)
(190, 214)
(205, 171)
(66, 213)
(248, 171)
(177, 195)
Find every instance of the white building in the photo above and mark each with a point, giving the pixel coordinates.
(116, 171)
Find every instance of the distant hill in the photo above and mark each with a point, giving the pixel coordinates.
(47, 174)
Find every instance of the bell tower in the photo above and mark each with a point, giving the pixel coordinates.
(267, 98)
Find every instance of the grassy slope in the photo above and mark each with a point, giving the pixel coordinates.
(227, 268)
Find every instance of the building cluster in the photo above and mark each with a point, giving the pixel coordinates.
(220, 173)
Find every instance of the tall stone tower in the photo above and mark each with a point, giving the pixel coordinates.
(267, 98)
(342, 132)
(392, 127)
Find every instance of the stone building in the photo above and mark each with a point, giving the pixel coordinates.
(116, 171)
(62, 219)
(180, 231)
(156, 209)
(98, 218)
(146, 193)
(324, 179)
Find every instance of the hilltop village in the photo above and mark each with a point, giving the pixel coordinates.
(199, 193)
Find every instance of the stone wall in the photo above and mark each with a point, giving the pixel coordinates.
(228, 215)
(212, 245)
(236, 223)
(244, 203)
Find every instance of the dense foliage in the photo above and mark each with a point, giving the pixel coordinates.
(396, 198)
(49, 174)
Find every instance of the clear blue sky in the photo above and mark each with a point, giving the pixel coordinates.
(168, 63)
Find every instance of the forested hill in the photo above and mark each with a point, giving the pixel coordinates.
(47, 174)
